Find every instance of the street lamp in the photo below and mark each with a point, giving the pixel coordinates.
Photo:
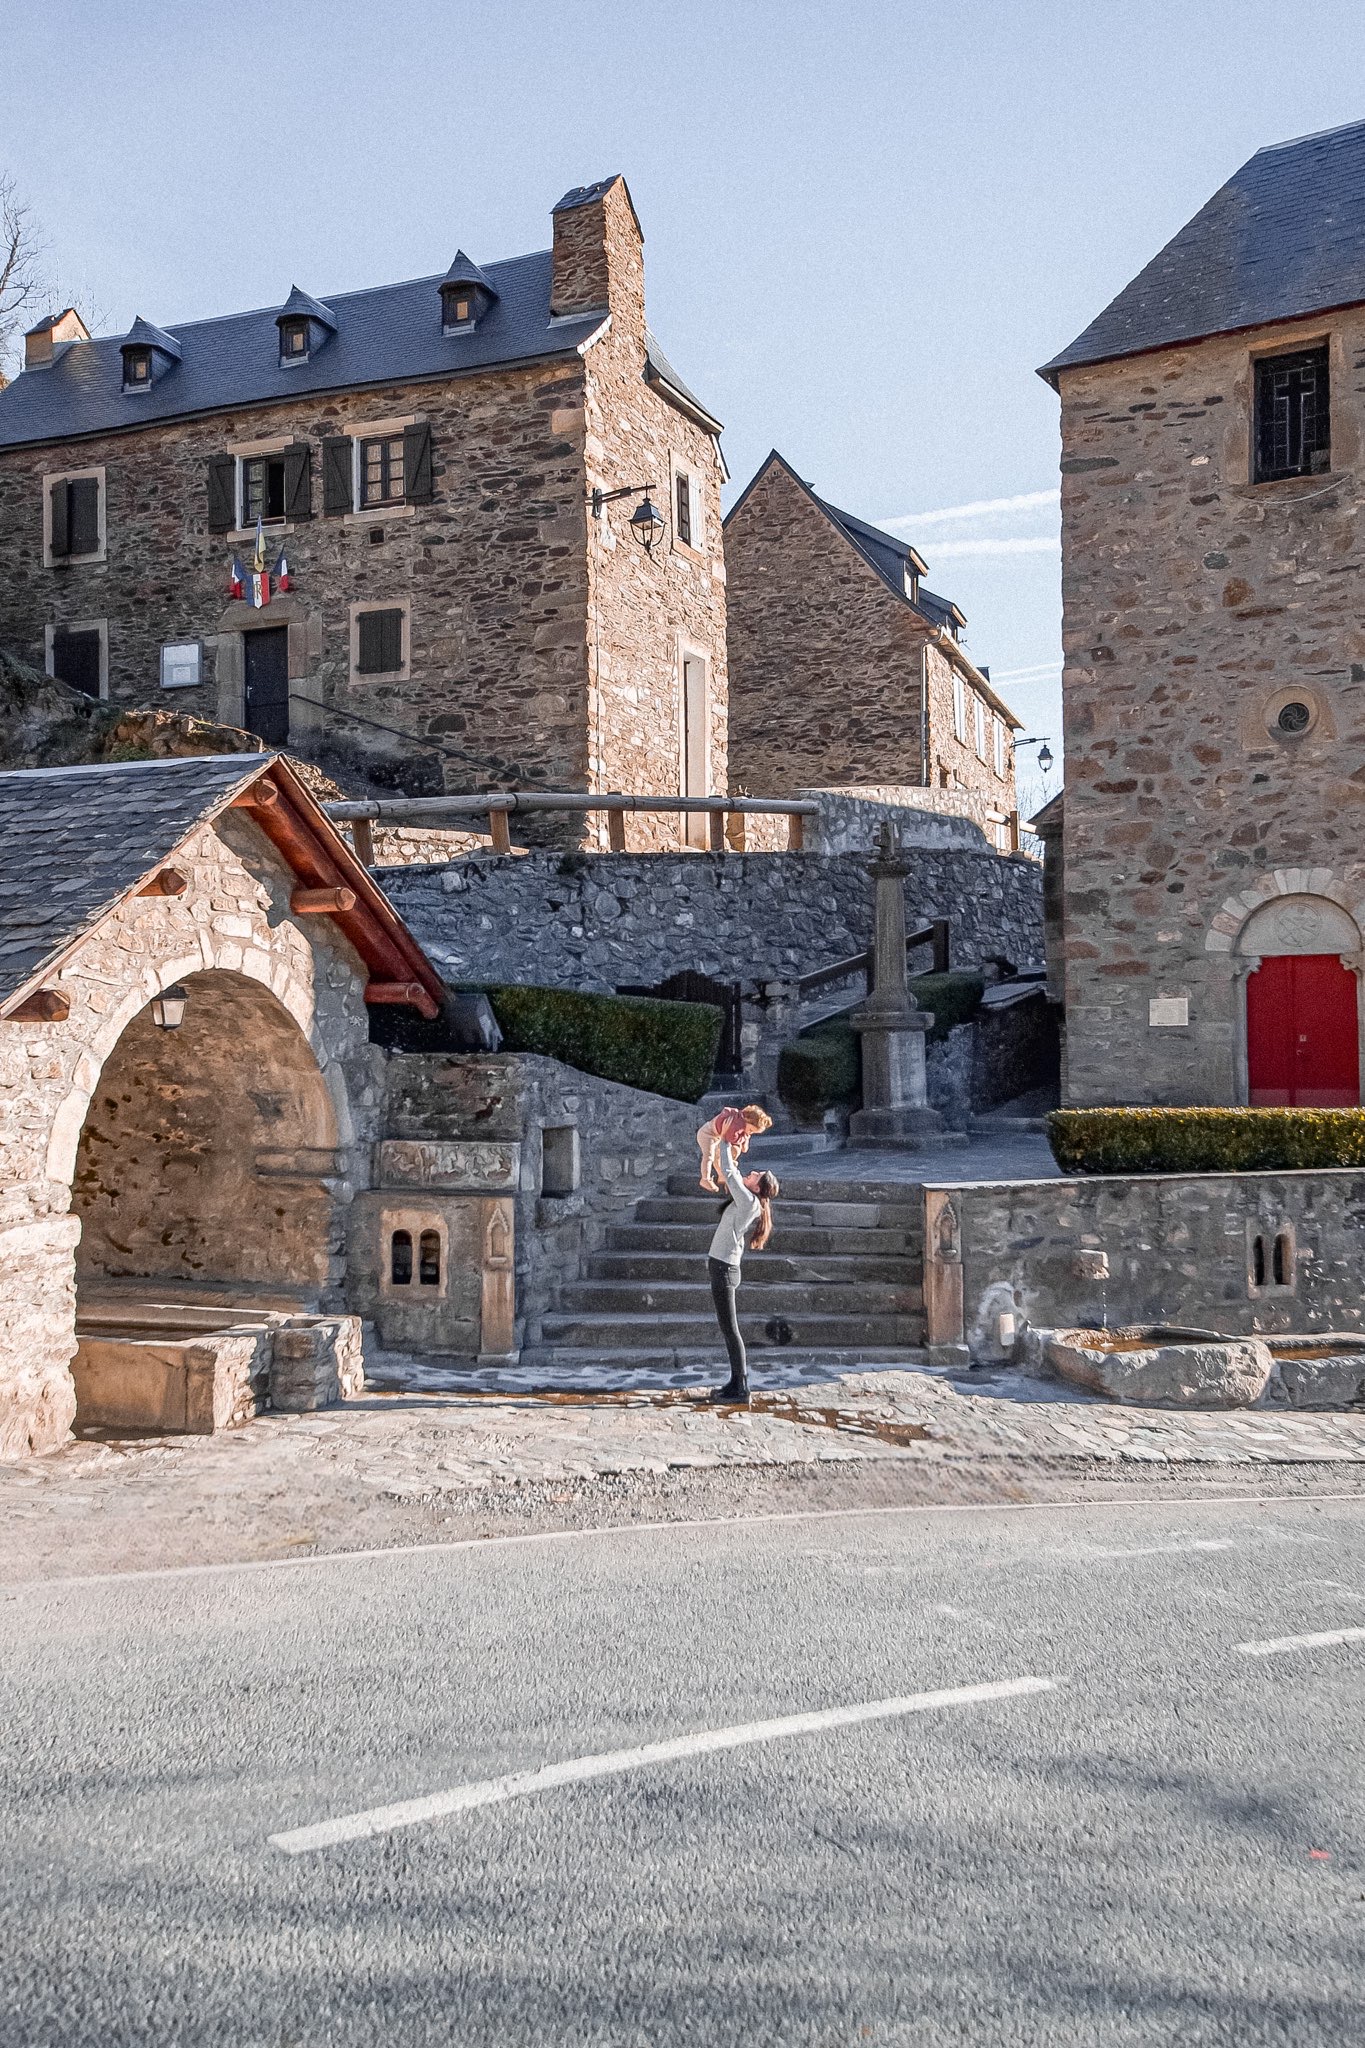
(646, 521)
(168, 1009)
(1039, 740)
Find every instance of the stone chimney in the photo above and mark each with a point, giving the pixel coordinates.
(42, 342)
(599, 254)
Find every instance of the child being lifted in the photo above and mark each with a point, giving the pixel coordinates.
(732, 1127)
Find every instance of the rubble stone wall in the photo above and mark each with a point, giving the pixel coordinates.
(1196, 604)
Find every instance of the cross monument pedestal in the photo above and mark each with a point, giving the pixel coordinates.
(895, 1107)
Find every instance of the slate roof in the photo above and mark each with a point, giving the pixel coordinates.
(1285, 237)
(390, 334)
(74, 841)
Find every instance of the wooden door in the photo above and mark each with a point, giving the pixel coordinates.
(266, 656)
(1303, 1048)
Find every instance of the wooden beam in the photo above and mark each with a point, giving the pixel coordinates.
(44, 1006)
(410, 993)
(500, 831)
(736, 831)
(321, 902)
(169, 882)
(616, 831)
(261, 796)
(715, 825)
(362, 839)
(796, 832)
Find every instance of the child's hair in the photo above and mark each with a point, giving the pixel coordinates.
(767, 1188)
(756, 1118)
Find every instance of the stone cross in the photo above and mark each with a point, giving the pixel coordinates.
(895, 1107)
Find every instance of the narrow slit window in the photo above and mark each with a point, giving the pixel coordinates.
(684, 510)
(429, 1259)
(1258, 1261)
(400, 1258)
(1282, 1260)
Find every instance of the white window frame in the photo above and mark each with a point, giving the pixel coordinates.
(959, 708)
(381, 604)
(73, 476)
(100, 626)
(978, 727)
(378, 430)
(1000, 755)
(697, 544)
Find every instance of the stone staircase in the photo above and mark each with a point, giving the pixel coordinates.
(840, 1284)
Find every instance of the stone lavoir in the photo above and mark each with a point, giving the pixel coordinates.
(450, 471)
(1207, 897)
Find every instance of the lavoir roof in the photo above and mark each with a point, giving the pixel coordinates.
(1284, 238)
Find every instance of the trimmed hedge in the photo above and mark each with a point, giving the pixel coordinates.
(666, 1048)
(954, 999)
(819, 1070)
(1205, 1140)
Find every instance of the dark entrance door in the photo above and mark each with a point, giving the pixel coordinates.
(76, 659)
(267, 684)
(1303, 1047)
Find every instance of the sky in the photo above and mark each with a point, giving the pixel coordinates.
(866, 221)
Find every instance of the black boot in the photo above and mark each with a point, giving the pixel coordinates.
(735, 1393)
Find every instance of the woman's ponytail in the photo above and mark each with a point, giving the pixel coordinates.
(766, 1189)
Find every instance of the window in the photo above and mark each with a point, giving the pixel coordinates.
(263, 489)
(683, 497)
(381, 471)
(979, 728)
(75, 517)
(137, 369)
(1292, 426)
(458, 309)
(77, 654)
(959, 709)
(1000, 748)
(293, 341)
(379, 637)
(429, 1259)
(400, 1259)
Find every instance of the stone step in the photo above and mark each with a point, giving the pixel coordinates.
(591, 1364)
(794, 1240)
(651, 1331)
(696, 1207)
(841, 1269)
(760, 1296)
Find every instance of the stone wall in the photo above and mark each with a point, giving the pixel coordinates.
(482, 1121)
(849, 818)
(829, 667)
(1163, 1248)
(1196, 604)
(600, 921)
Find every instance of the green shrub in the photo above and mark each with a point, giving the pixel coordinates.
(954, 998)
(1205, 1140)
(667, 1048)
(819, 1070)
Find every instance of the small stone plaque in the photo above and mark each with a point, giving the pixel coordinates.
(459, 1165)
(1168, 1010)
(181, 665)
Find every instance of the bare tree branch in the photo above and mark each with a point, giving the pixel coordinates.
(23, 274)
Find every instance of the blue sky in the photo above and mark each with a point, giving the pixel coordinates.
(866, 223)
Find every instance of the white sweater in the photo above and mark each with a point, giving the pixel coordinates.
(740, 1215)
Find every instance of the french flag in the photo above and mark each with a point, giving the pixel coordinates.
(237, 583)
(282, 571)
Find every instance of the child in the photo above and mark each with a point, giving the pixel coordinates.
(732, 1127)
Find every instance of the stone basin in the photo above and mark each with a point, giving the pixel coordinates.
(1166, 1367)
(1326, 1370)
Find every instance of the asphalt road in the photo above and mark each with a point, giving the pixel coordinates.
(1158, 1841)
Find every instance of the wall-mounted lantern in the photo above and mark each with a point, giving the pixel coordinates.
(168, 1009)
(1040, 741)
(647, 522)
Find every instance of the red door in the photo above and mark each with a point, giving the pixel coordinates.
(1302, 1039)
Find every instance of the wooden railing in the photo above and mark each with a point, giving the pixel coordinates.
(937, 935)
(726, 814)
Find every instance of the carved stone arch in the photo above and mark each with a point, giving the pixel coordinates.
(1226, 928)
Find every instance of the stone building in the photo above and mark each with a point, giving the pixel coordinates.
(845, 669)
(449, 469)
(1213, 891)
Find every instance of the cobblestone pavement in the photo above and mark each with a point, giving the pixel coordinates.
(289, 1484)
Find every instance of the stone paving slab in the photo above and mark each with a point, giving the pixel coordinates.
(1023, 1155)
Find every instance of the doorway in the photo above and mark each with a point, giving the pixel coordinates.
(266, 676)
(1303, 1046)
(696, 747)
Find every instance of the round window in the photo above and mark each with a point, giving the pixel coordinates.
(1294, 717)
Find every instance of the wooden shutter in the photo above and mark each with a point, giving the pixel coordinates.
(417, 463)
(85, 516)
(338, 487)
(298, 481)
(222, 493)
(380, 650)
(61, 519)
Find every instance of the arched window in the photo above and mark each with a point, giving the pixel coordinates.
(428, 1259)
(1282, 1263)
(1258, 1261)
(400, 1258)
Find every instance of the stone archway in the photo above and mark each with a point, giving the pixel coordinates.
(1297, 962)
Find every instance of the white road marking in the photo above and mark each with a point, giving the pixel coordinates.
(1321, 1641)
(408, 1813)
(533, 1536)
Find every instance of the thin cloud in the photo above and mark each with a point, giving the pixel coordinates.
(979, 508)
(1039, 673)
(1032, 544)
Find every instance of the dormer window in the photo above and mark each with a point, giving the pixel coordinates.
(137, 369)
(148, 353)
(303, 324)
(293, 341)
(466, 296)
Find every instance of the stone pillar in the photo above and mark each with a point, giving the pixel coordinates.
(895, 1107)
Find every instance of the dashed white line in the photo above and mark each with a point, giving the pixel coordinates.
(1324, 1639)
(408, 1813)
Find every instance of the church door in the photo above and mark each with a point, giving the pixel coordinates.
(1302, 1034)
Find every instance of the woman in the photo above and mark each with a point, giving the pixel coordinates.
(750, 1198)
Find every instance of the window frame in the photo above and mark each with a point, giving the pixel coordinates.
(979, 729)
(98, 626)
(683, 472)
(400, 674)
(75, 476)
(1001, 742)
(1263, 366)
(246, 518)
(959, 707)
(142, 357)
(289, 329)
(386, 442)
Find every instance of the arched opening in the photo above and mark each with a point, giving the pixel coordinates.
(1302, 1026)
(200, 1175)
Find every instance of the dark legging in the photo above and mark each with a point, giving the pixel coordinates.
(724, 1286)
